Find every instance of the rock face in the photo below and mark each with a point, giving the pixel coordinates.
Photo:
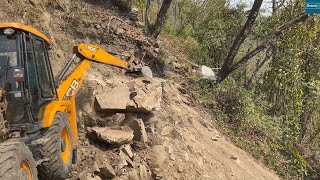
(142, 95)
(207, 73)
(114, 136)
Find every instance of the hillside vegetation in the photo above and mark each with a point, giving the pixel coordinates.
(267, 97)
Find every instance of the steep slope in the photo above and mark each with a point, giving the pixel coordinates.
(182, 140)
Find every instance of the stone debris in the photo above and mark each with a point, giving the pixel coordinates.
(207, 73)
(139, 131)
(215, 138)
(146, 96)
(89, 176)
(144, 172)
(108, 121)
(96, 167)
(114, 136)
(123, 156)
(158, 173)
(186, 157)
(126, 148)
(182, 90)
(133, 175)
(107, 170)
(234, 157)
(159, 156)
(115, 119)
(121, 163)
(146, 71)
(167, 130)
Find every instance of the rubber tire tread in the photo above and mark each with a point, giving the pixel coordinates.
(53, 168)
(11, 155)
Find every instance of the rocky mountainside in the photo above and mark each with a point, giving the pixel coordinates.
(133, 127)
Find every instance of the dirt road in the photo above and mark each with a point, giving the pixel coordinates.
(195, 149)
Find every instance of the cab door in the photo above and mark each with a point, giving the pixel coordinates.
(40, 81)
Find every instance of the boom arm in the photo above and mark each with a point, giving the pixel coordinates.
(95, 53)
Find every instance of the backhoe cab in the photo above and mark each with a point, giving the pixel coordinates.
(38, 112)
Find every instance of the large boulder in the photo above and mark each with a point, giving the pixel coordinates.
(207, 73)
(141, 95)
(115, 99)
(114, 135)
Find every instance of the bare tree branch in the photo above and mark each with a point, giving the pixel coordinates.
(246, 29)
(268, 41)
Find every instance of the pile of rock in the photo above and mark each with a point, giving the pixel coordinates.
(122, 130)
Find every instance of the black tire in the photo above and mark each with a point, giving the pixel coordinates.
(13, 155)
(53, 167)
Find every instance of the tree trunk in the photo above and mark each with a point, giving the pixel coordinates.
(274, 7)
(161, 17)
(147, 15)
(175, 14)
(228, 68)
(159, 5)
(246, 29)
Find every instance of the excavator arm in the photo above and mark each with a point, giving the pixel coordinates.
(95, 53)
(69, 82)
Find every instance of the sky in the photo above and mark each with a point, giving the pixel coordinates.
(267, 4)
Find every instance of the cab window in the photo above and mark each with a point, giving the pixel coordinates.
(43, 70)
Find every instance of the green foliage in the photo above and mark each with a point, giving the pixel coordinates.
(196, 51)
(292, 80)
(206, 28)
(277, 120)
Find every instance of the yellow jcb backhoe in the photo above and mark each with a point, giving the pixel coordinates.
(38, 126)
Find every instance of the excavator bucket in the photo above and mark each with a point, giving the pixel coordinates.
(140, 70)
